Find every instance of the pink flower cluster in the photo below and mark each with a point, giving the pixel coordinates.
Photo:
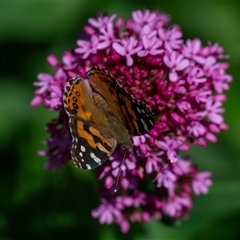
(183, 82)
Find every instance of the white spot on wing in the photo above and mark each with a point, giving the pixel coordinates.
(144, 124)
(95, 158)
(88, 166)
(83, 149)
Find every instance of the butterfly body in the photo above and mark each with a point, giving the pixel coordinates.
(99, 121)
(115, 126)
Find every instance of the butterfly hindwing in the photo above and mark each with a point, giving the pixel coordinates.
(89, 147)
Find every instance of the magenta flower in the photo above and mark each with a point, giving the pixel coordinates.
(107, 212)
(151, 46)
(127, 48)
(87, 47)
(175, 62)
(182, 82)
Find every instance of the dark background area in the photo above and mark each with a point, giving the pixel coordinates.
(38, 204)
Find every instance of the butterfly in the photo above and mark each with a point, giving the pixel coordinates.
(103, 118)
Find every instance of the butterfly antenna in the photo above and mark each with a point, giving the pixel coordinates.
(119, 172)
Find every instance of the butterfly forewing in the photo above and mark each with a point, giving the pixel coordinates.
(92, 144)
(138, 119)
(105, 84)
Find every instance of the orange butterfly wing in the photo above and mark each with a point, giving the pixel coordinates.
(135, 115)
(92, 143)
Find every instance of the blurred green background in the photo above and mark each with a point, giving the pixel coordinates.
(36, 204)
